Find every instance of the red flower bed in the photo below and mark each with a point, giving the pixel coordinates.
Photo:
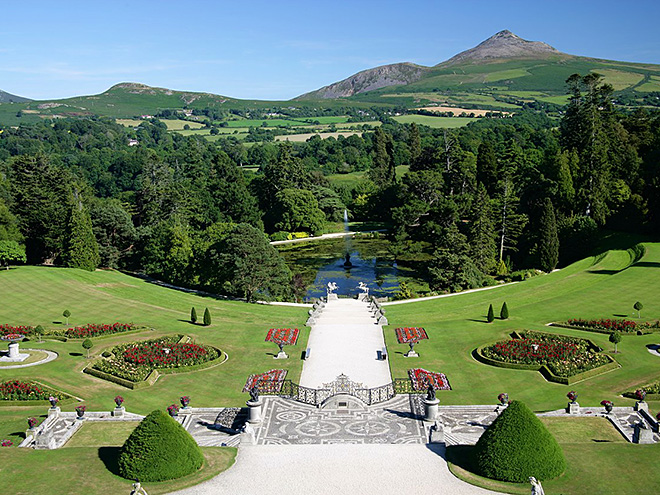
(94, 330)
(18, 390)
(271, 381)
(420, 379)
(284, 336)
(12, 336)
(22, 329)
(155, 354)
(627, 326)
(406, 335)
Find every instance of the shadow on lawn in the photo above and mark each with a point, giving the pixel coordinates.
(110, 456)
(75, 354)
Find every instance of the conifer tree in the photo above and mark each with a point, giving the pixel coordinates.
(548, 248)
(491, 314)
(414, 143)
(207, 317)
(482, 232)
(193, 315)
(504, 312)
(82, 251)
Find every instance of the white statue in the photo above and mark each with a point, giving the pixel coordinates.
(363, 287)
(137, 489)
(537, 489)
(332, 286)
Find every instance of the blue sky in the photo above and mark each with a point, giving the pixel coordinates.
(280, 49)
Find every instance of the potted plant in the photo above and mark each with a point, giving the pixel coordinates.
(608, 404)
(80, 411)
(572, 396)
(119, 400)
(503, 398)
(640, 393)
(53, 401)
(185, 400)
(32, 422)
(173, 410)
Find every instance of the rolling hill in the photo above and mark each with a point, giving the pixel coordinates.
(10, 98)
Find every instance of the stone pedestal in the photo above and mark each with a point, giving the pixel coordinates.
(641, 406)
(332, 297)
(13, 350)
(411, 353)
(642, 434)
(185, 410)
(281, 355)
(431, 409)
(118, 412)
(254, 411)
(573, 408)
(54, 411)
(31, 432)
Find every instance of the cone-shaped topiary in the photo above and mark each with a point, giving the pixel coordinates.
(193, 315)
(207, 317)
(516, 446)
(504, 312)
(491, 314)
(159, 449)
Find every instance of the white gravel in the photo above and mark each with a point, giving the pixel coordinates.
(344, 469)
(345, 340)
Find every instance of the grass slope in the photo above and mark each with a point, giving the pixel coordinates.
(457, 325)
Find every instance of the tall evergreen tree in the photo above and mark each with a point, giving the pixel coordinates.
(487, 167)
(81, 249)
(414, 144)
(548, 247)
(482, 232)
(382, 171)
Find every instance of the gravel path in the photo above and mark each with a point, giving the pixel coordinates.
(345, 340)
(337, 469)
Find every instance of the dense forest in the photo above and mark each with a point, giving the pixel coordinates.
(498, 195)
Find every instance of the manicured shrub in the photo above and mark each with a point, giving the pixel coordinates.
(159, 449)
(207, 317)
(516, 446)
(491, 314)
(87, 345)
(639, 307)
(66, 314)
(504, 312)
(193, 315)
(106, 354)
(615, 338)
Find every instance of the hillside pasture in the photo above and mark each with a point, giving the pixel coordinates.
(301, 138)
(435, 122)
(456, 111)
(620, 79)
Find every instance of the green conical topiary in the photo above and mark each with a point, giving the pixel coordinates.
(504, 312)
(159, 449)
(207, 317)
(516, 446)
(193, 315)
(491, 314)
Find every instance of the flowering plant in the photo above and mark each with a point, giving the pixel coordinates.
(18, 390)
(608, 404)
(32, 422)
(7, 443)
(119, 400)
(640, 394)
(94, 330)
(80, 410)
(503, 398)
(22, 329)
(271, 381)
(185, 400)
(611, 325)
(421, 378)
(572, 395)
(53, 400)
(173, 410)
(407, 335)
(283, 336)
(13, 336)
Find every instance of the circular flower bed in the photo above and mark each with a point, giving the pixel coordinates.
(19, 390)
(564, 356)
(134, 361)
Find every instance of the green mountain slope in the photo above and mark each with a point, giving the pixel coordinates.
(10, 98)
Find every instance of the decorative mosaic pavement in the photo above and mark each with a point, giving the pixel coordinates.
(289, 422)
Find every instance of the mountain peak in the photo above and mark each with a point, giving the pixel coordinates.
(504, 45)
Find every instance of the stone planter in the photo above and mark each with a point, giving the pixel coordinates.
(431, 409)
(573, 408)
(608, 409)
(118, 412)
(254, 411)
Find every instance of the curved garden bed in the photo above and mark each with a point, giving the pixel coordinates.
(139, 364)
(609, 325)
(30, 393)
(558, 358)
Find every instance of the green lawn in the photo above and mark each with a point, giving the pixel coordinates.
(457, 325)
(599, 461)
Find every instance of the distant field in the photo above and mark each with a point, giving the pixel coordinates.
(354, 177)
(505, 74)
(129, 122)
(435, 122)
(178, 125)
(323, 135)
(620, 79)
(456, 110)
(653, 84)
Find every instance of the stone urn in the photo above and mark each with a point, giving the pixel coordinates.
(608, 405)
(80, 412)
